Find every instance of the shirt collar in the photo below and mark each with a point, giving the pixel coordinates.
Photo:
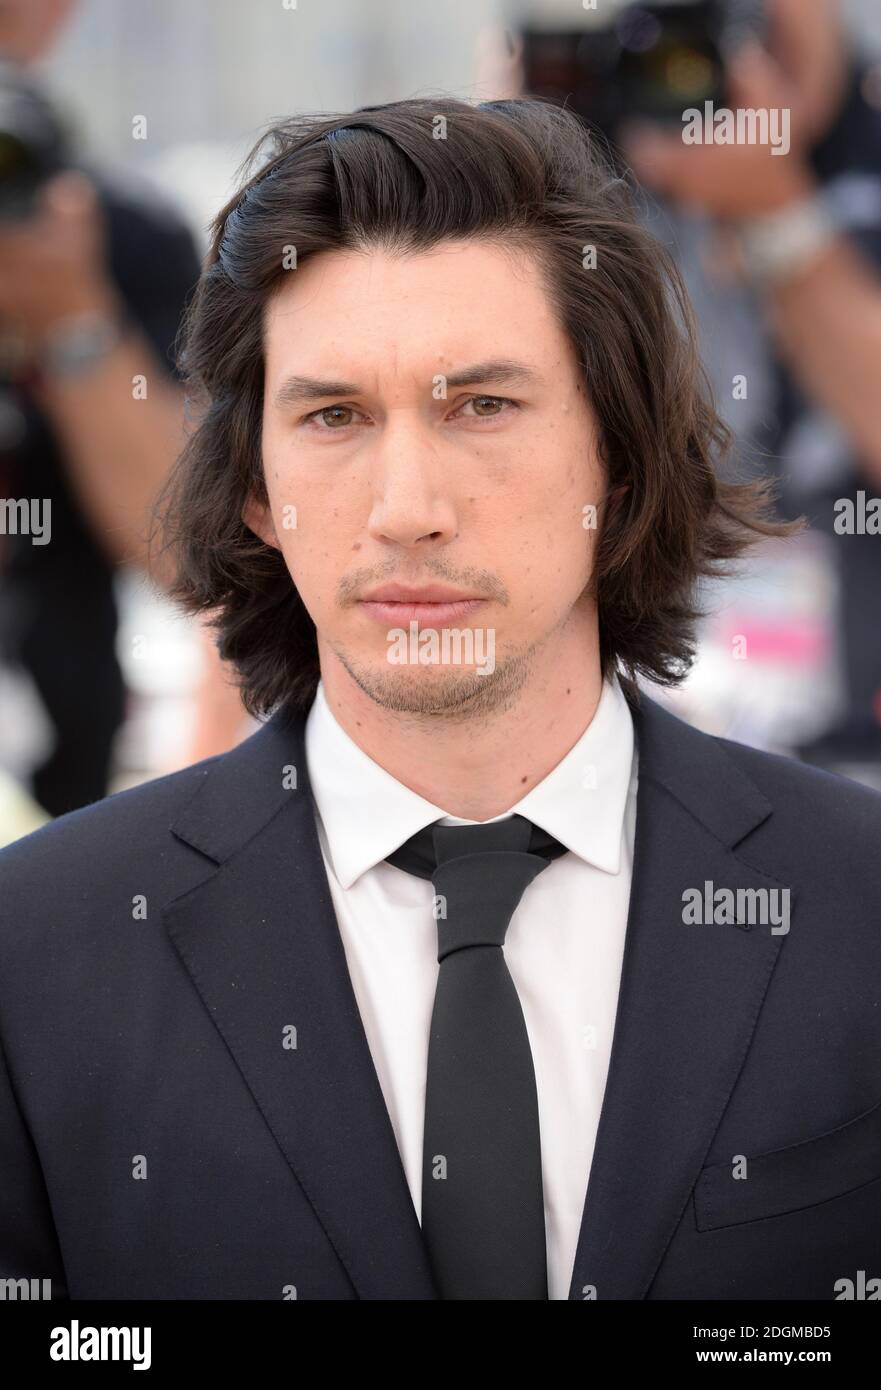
(367, 814)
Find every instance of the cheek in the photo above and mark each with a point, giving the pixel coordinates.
(319, 525)
(551, 523)
(547, 491)
(301, 501)
(562, 459)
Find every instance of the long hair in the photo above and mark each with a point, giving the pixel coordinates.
(405, 176)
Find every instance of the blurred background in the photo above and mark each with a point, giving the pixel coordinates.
(122, 126)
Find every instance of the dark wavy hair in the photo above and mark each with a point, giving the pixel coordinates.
(521, 172)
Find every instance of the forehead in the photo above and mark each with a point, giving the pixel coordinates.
(460, 300)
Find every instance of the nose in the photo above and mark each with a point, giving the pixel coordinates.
(412, 499)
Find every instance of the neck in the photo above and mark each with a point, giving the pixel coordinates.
(479, 768)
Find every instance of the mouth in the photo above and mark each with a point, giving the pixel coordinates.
(398, 612)
(431, 605)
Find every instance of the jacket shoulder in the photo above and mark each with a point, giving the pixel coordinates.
(128, 821)
(800, 787)
(818, 818)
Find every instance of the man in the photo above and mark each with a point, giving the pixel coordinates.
(472, 974)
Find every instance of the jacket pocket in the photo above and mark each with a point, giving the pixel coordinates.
(800, 1175)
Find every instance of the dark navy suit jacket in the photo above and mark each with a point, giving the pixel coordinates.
(158, 1139)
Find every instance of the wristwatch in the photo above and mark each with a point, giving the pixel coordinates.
(75, 344)
(779, 245)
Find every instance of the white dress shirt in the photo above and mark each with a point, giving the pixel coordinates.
(563, 948)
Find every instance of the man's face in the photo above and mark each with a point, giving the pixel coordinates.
(403, 474)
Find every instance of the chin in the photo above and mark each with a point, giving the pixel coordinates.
(422, 689)
(439, 690)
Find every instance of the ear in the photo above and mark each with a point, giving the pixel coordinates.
(258, 518)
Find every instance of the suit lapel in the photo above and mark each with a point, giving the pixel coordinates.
(260, 940)
(689, 1001)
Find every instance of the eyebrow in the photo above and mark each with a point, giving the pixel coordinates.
(497, 372)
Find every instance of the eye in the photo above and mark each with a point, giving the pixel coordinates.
(496, 403)
(327, 424)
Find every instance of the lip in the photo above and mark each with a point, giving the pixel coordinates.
(429, 593)
(397, 614)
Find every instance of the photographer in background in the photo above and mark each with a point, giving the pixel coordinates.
(93, 282)
(803, 231)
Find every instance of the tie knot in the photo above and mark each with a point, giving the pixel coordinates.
(479, 872)
(453, 841)
(436, 844)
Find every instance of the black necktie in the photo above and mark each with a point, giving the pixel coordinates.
(482, 1199)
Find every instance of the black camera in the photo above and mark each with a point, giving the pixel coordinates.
(648, 61)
